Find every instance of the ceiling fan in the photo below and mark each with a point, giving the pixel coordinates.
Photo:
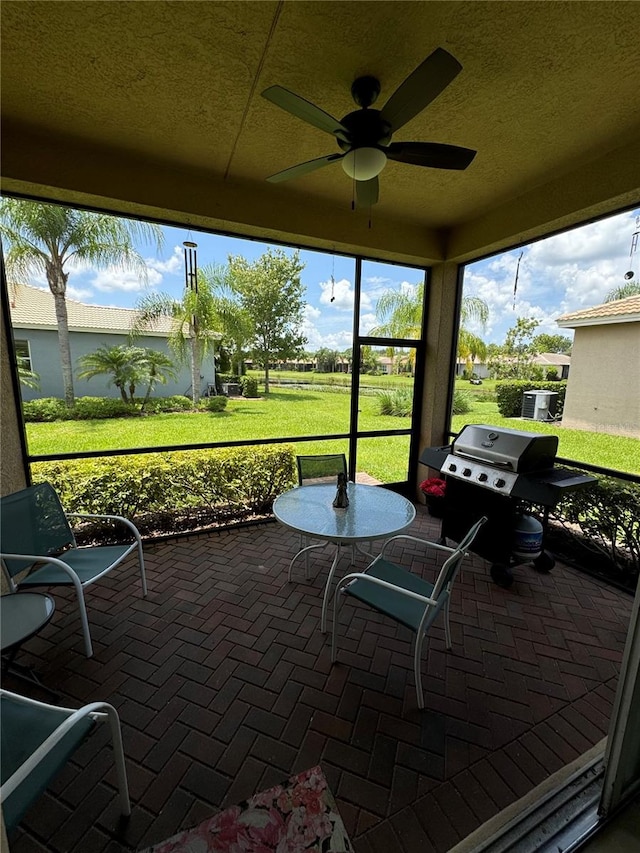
(364, 135)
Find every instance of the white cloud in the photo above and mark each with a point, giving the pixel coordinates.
(343, 295)
(558, 275)
(127, 281)
(173, 264)
(310, 312)
(80, 294)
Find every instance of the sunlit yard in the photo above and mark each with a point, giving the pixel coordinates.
(292, 413)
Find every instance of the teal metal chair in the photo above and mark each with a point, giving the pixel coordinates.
(37, 740)
(405, 597)
(320, 468)
(314, 469)
(35, 536)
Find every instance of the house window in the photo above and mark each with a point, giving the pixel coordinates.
(23, 354)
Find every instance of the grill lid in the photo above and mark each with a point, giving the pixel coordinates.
(509, 449)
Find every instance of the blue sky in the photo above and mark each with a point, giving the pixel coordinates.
(564, 273)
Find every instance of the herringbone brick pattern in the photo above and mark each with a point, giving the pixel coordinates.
(224, 686)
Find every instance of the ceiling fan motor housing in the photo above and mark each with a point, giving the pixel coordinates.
(367, 129)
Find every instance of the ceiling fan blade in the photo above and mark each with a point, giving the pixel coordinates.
(420, 88)
(303, 168)
(305, 110)
(433, 154)
(367, 192)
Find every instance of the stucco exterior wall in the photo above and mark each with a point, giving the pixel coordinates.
(45, 361)
(603, 391)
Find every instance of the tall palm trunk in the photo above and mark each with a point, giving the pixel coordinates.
(57, 280)
(196, 364)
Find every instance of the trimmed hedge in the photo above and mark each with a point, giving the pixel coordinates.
(215, 484)
(99, 408)
(509, 395)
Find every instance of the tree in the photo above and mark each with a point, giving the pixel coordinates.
(514, 360)
(630, 288)
(48, 238)
(400, 316)
(553, 343)
(128, 367)
(269, 295)
(29, 378)
(195, 320)
(158, 368)
(124, 365)
(326, 360)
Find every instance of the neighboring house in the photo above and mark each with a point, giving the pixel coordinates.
(603, 391)
(547, 360)
(35, 334)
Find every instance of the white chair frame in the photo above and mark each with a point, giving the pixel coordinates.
(99, 711)
(79, 585)
(440, 597)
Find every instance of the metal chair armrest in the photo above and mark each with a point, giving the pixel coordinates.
(427, 542)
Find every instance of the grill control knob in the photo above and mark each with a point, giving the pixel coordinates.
(466, 472)
(499, 483)
(482, 478)
(453, 467)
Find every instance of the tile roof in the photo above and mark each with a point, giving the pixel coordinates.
(554, 359)
(619, 311)
(32, 308)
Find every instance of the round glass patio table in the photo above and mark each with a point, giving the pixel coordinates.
(373, 513)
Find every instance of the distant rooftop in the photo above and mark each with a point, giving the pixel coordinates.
(619, 311)
(33, 308)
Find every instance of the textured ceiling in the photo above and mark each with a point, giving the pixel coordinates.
(546, 89)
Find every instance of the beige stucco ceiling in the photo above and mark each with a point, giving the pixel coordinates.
(156, 107)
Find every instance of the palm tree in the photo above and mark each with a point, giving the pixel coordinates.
(631, 288)
(27, 377)
(48, 238)
(194, 321)
(159, 369)
(400, 316)
(125, 365)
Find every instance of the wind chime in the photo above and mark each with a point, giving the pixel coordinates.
(630, 274)
(191, 273)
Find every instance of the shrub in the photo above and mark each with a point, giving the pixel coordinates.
(214, 404)
(249, 386)
(45, 409)
(552, 374)
(607, 514)
(509, 395)
(217, 483)
(462, 401)
(398, 403)
(100, 408)
(177, 403)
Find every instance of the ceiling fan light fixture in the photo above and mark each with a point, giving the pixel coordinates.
(363, 164)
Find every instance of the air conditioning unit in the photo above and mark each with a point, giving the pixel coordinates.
(539, 405)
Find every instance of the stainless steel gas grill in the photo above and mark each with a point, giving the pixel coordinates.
(498, 472)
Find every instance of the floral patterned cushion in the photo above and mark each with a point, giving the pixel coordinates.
(298, 816)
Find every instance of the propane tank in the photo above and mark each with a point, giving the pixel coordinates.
(527, 537)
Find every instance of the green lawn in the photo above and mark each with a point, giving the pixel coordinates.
(287, 412)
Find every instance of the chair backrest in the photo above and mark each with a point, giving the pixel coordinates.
(321, 468)
(32, 521)
(452, 564)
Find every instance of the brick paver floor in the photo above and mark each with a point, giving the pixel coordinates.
(224, 686)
